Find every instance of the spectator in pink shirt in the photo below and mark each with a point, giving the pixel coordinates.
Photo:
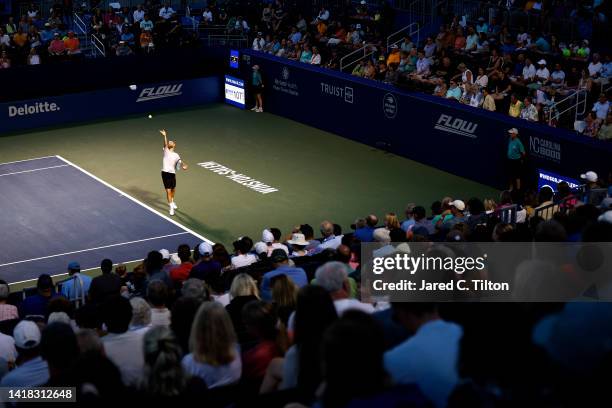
(7, 312)
(57, 46)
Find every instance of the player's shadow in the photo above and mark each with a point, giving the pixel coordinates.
(158, 203)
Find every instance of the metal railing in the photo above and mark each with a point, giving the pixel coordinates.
(425, 11)
(354, 57)
(97, 47)
(397, 37)
(81, 29)
(234, 41)
(507, 214)
(79, 24)
(576, 101)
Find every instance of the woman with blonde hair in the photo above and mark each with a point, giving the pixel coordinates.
(242, 291)
(284, 297)
(214, 356)
(490, 205)
(391, 221)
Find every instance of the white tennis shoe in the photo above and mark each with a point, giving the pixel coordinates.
(171, 210)
(173, 205)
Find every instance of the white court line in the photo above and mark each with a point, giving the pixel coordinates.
(30, 171)
(26, 160)
(82, 270)
(137, 201)
(93, 249)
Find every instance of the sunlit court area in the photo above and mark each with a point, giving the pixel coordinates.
(306, 204)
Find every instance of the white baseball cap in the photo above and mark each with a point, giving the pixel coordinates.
(266, 236)
(458, 204)
(589, 176)
(261, 248)
(205, 249)
(542, 62)
(164, 253)
(606, 217)
(26, 335)
(513, 130)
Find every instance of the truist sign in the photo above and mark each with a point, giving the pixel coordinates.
(458, 126)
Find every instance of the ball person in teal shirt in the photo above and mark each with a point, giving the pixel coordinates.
(516, 159)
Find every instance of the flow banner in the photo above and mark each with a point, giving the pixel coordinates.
(82, 107)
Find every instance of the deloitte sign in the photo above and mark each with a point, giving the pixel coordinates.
(32, 109)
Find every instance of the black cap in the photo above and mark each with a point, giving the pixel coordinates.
(278, 256)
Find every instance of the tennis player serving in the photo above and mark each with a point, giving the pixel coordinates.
(171, 162)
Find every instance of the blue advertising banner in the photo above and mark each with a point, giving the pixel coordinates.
(459, 139)
(81, 107)
(234, 91)
(549, 179)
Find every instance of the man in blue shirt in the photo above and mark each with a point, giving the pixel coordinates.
(429, 357)
(77, 285)
(366, 233)
(516, 155)
(36, 305)
(32, 370)
(280, 262)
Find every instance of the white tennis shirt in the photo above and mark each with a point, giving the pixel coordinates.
(169, 161)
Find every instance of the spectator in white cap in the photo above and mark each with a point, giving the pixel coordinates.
(206, 267)
(457, 207)
(298, 245)
(591, 178)
(606, 217)
(542, 73)
(261, 249)
(259, 43)
(271, 237)
(32, 370)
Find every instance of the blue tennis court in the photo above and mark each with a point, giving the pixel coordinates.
(53, 212)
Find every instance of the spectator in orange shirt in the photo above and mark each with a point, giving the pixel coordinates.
(20, 39)
(146, 40)
(460, 39)
(57, 46)
(394, 57)
(180, 273)
(72, 43)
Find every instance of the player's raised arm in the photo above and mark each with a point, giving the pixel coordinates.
(164, 133)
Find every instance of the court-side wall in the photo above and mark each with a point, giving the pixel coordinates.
(107, 103)
(462, 140)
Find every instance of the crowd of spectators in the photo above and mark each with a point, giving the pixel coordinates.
(481, 63)
(281, 320)
(33, 39)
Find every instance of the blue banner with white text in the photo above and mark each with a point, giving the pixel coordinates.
(459, 139)
(86, 106)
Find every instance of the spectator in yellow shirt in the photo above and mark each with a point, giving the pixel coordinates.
(394, 57)
(515, 106)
